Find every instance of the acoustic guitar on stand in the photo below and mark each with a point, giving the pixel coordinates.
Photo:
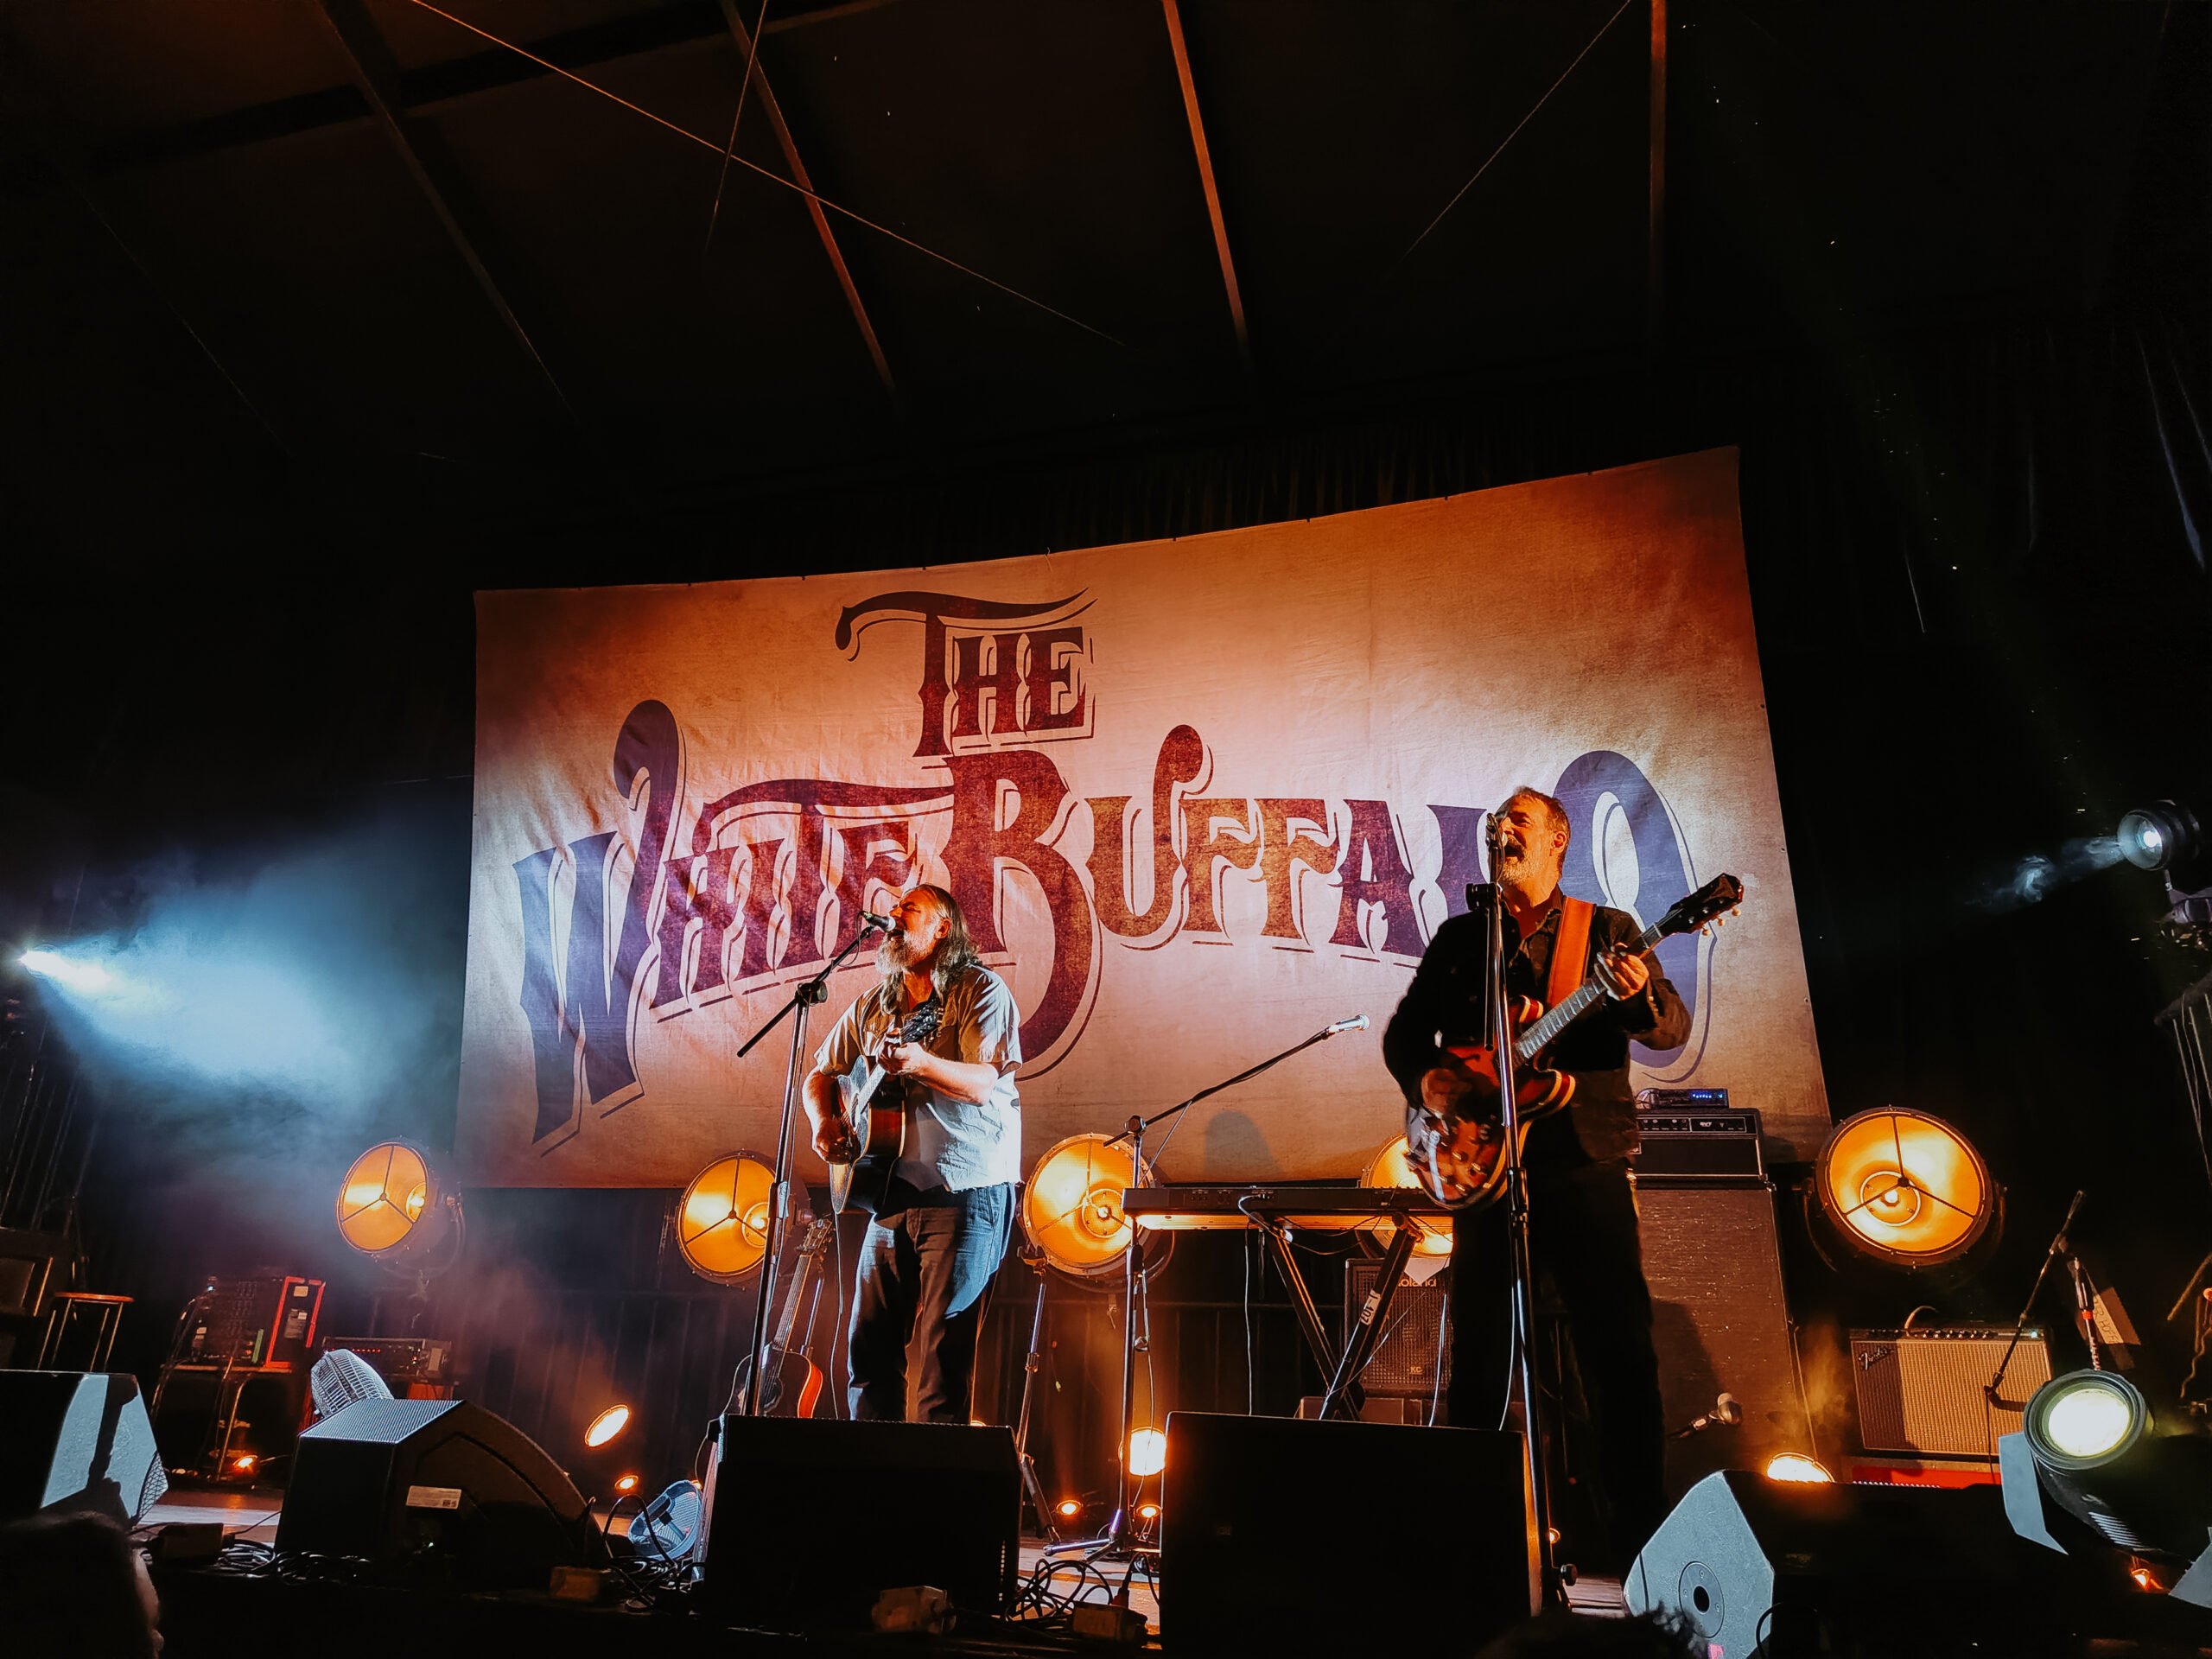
(794, 1383)
(873, 1104)
(1458, 1155)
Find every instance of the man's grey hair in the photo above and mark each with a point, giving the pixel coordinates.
(1551, 805)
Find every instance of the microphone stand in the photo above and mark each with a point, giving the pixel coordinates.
(1119, 1542)
(809, 991)
(2020, 1328)
(1550, 1592)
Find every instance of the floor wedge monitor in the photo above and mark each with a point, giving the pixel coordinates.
(1280, 1535)
(808, 1520)
(76, 1440)
(443, 1482)
(1821, 1569)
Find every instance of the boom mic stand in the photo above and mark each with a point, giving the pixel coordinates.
(1517, 1201)
(1119, 1542)
(2058, 1248)
(810, 993)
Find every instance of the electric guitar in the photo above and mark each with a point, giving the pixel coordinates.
(873, 1105)
(794, 1382)
(1458, 1155)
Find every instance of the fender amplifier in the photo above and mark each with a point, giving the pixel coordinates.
(1921, 1391)
(1693, 1133)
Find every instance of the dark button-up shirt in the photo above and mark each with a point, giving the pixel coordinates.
(1447, 1007)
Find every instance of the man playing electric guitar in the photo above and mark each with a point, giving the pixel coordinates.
(1582, 1208)
(942, 1224)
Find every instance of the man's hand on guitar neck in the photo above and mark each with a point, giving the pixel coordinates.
(1622, 976)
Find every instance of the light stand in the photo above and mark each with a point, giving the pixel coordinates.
(1031, 1368)
(1516, 1212)
(809, 992)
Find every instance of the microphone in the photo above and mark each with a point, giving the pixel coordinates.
(1726, 1411)
(880, 924)
(1358, 1022)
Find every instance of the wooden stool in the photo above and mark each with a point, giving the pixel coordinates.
(108, 1310)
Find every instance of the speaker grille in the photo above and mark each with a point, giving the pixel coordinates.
(1921, 1390)
(1405, 1359)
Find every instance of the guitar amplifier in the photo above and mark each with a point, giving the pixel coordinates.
(1921, 1391)
(401, 1360)
(1406, 1359)
(1694, 1134)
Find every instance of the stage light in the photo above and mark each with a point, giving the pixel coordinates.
(2085, 1419)
(626, 1484)
(1789, 1466)
(1148, 1511)
(244, 1465)
(1148, 1452)
(1392, 1167)
(2159, 836)
(392, 1206)
(84, 977)
(1068, 1508)
(1905, 1189)
(1073, 1207)
(605, 1426)
(721, 1221)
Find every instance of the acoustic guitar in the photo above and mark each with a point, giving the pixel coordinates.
(1458, 1155)
(874, 1105)
(794, 1382)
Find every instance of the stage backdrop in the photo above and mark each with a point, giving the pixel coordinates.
(1199, 800)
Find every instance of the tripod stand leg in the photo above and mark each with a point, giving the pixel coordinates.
(1035, 1363)
(1359, 1342)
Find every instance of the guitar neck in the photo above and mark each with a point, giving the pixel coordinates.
(783, 1338)
(1587, 996)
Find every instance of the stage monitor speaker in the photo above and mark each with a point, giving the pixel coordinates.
(400, 1481)
(1405, 1363)
(1279, 1536)
(76, 1440)
(1720, 1323)
(1807, 1568)
(1921, 1391)
(807, 1520)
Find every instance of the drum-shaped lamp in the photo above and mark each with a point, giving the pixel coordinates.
(1393, 1166)
(1904, 1189)
(722, 1222)
(1072, 1208)
(394, 1207)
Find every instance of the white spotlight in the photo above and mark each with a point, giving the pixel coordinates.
(81, 977)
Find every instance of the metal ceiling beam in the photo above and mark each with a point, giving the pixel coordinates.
(1206, 178)
(423, 152)
(686, 23)
(743, 37)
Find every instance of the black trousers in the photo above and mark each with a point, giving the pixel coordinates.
(1582, 1231)
(924, 1280)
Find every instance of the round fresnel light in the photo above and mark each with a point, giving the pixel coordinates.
(1393, 1166)
(1148, 1452)
(2084, 1420)
(1904, 1188)
(1803, 1470)
(605, 1426)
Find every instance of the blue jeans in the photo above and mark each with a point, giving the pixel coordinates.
(926, 1276)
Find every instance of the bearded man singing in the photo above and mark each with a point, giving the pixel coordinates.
(942, 1226)
(1581, 1203)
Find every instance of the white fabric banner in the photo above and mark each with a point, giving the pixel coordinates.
(1199, 799)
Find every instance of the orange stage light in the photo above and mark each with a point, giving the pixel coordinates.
(1148, 1452)
(722, 1222)
(1073, 1207)
(605, 1426)
(392, 1205)
(1393, 1166)
(1904, 1188)
(1791, 1467)
(627, 1484)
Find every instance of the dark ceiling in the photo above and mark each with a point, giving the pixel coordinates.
(222, 166)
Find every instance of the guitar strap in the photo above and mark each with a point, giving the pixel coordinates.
(1570, 950)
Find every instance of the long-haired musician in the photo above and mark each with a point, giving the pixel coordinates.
(941, 1226)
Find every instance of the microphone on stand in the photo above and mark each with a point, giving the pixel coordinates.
(880, 924)
(1726, 1411)
(1358, 1022)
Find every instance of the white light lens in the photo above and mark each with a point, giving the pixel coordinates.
(2087, 1421)
(1148, 1452)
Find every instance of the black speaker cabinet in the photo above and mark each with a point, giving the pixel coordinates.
(1409, 1356)
(1280, 1535)
(432, 1481)
(1720, 1323)
(76, 1440)
(807, 1520)
(1832, 1569)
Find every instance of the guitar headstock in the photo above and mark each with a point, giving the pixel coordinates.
(820, 1234)
(1711, 903)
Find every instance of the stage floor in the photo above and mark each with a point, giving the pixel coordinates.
(250, 1514)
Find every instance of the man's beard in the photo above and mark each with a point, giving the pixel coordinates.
(895, 955)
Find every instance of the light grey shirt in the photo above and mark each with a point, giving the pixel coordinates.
(958, 1144)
